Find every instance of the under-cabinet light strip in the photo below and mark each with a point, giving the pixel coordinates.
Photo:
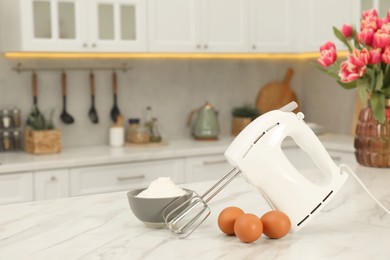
(73, 55)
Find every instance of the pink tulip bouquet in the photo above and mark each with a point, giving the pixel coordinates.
(367, 66)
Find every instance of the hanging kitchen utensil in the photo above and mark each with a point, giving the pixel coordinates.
(65, 116)
(276, 94)
(205, 126)
(92, 111)
(35, 114)
(115, 110)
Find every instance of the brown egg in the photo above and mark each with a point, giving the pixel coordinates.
(226, 219)
(248, 228)
(276, 224)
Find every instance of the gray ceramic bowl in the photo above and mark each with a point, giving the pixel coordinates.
(150, 210)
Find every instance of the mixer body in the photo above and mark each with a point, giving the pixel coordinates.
(258, 154)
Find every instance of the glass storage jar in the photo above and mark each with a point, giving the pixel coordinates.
(5, 119)
(136, 132)
(6, 141)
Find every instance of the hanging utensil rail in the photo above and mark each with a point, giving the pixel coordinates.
(19, 67)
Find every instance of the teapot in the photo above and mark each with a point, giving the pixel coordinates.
(205, 125)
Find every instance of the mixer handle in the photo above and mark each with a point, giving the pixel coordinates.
(305, 138)
(289, 107)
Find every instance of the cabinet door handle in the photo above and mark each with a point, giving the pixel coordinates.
(205, 46)
(52, 178)
(214, 162)
(126, 178)
(254, 46)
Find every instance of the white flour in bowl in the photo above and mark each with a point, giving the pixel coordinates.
(162, 187)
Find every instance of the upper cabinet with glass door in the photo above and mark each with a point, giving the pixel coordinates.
(43, 25)
(117, 25)
(73, 25)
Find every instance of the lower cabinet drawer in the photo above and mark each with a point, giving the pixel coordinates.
(204, 168)
(51, 184)
(16, 187)
(108, 178)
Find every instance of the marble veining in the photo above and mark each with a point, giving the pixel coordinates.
(102, 226)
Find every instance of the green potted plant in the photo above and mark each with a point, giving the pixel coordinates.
(242, 116)
(40, 136)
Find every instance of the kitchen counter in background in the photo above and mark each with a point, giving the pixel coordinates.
(102, 226)
(100, 155)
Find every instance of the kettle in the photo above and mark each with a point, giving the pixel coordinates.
(205, 125)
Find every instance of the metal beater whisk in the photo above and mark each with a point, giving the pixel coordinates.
(185, 218)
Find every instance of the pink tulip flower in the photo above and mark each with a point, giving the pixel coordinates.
(366, 37)
(328, 46)
(347, 31)
(387, 18)
(359, 58)
(370, 20)
(386, 55)
(349, 72)
(381, 39)
(370, 23)
(328, 54)
(375, 56)
(370, 13)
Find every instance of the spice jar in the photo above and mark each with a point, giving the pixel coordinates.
(17, 140)
(137, 133)
(16, 117)
(5, 119)
(6, 141)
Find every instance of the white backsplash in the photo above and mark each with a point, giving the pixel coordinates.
(173, 88)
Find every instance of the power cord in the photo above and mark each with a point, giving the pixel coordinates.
(349, 170)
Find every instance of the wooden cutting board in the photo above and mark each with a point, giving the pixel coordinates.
(275, 95)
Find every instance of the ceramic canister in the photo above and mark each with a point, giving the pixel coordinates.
(117, 136)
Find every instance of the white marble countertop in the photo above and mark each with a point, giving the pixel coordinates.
(99, 155)
(102, 226)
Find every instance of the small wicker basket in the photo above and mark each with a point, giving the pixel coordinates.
(239, 123)
(42, 141)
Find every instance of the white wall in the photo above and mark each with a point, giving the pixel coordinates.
(173, 88)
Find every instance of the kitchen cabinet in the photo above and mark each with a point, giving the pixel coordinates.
(382, 6)
(117, 25)
(198, 26)
(273, 26)
(318, 18)
(116, 177)
(51, 184)
(43, 25)
(16, 187)
(203, 168)
(74, 25)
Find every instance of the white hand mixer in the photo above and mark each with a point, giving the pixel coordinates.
(257, 155)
